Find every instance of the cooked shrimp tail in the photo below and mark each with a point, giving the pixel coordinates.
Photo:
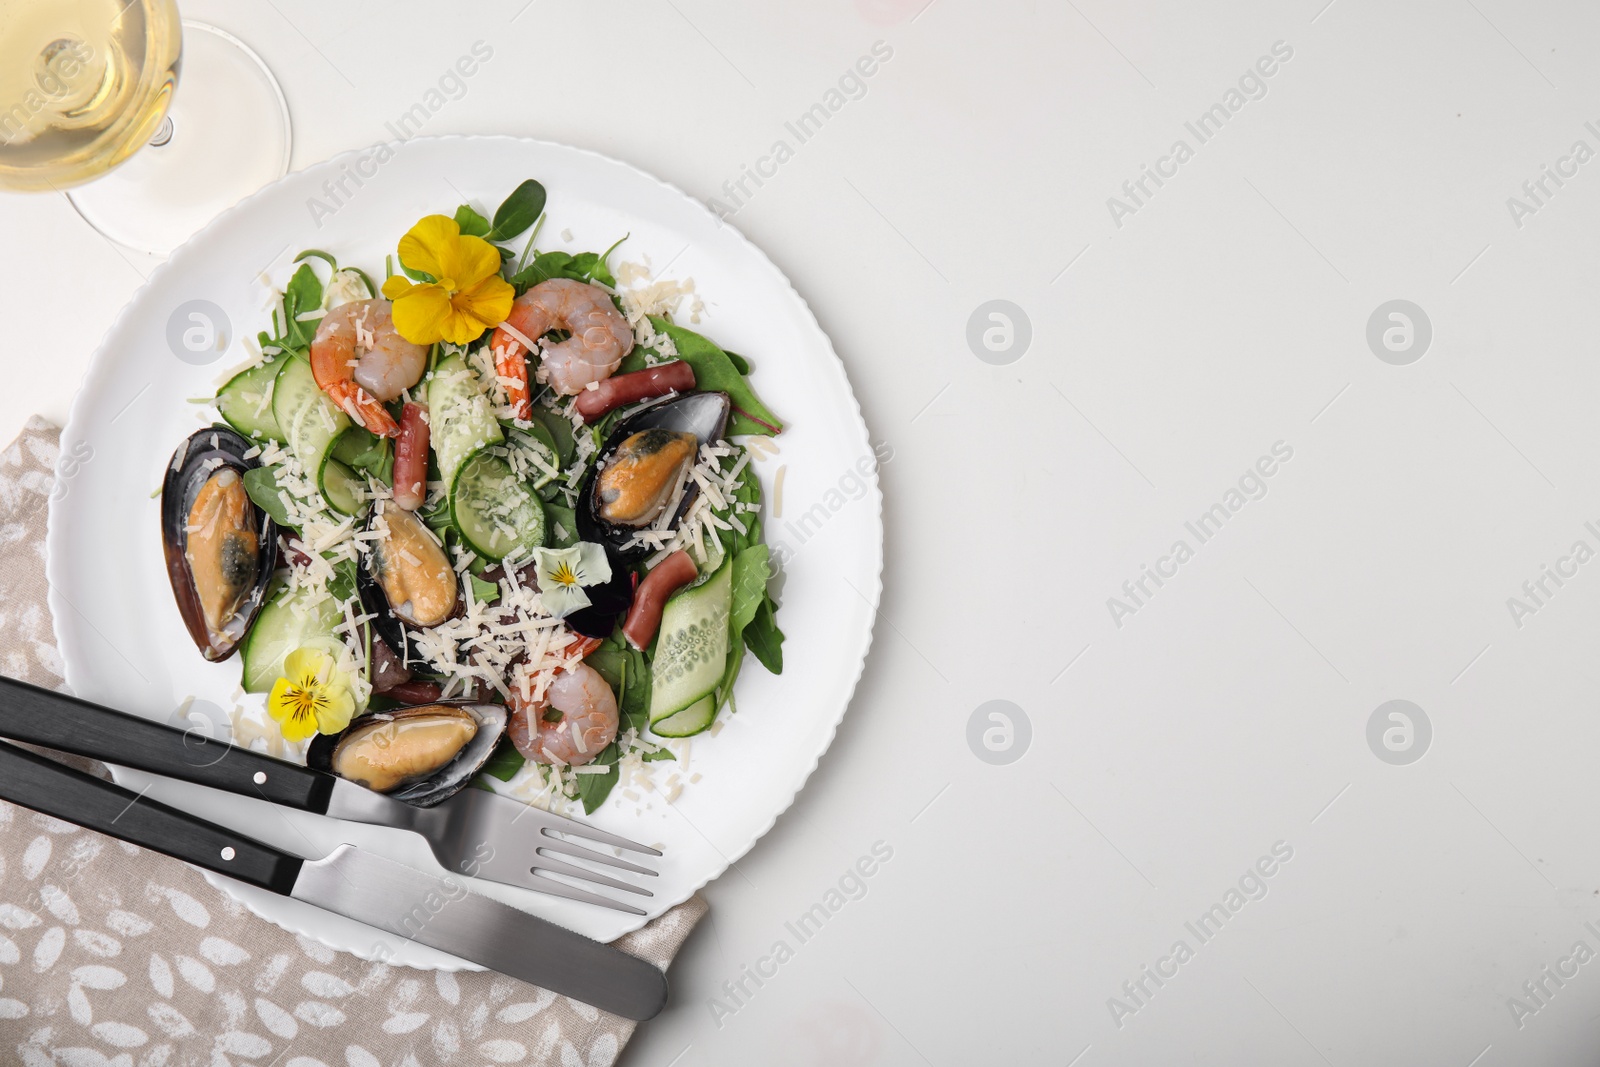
(360, 360)
(600, 339)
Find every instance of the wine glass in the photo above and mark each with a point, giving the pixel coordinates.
(86, 84)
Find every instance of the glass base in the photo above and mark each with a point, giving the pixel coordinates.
(229, 137)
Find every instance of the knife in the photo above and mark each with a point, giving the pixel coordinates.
(437, 911)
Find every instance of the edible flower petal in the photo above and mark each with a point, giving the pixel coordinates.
(563, 572)
(465, 297)
(312, 697)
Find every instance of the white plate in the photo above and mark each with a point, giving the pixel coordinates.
(120, 633)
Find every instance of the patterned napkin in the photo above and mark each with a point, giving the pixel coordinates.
(113, 956)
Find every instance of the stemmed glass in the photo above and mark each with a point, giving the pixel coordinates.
(88, 102)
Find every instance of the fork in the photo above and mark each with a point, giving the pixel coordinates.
(477, 833)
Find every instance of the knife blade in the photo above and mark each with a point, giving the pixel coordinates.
(431, 909)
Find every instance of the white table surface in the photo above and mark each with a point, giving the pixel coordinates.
(1224, 315)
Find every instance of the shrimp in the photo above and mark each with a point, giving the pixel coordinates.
(601, 337)
(360, 360)
(575, 720)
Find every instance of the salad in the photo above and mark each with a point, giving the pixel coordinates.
(489, 518)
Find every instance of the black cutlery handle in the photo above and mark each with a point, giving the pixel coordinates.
(67, 724)
(47, 786)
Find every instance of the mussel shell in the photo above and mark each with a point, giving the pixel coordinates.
(441, 784)
(203, 454)
(608, 603)
(394, 630)
(703, 414)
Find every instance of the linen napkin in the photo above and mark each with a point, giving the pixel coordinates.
(114, 955)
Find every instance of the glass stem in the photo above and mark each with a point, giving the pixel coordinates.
(163, 133)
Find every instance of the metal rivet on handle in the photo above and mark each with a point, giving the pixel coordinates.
(261, 778)
(228, 853)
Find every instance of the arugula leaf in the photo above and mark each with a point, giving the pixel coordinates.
(262, 486)
(505, 762)
(714, 371)
(594, 788)
(472, 224)
(518, 211)
(764, 638)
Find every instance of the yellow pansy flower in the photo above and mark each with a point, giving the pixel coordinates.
(312, 697)
(469, 295)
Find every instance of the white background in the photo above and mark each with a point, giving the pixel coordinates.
(1227, 314)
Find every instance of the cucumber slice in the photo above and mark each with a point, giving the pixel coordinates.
(343, 489)
(460, 418)
(288, 621)
(310, 422)
(692, 720)
(692, 651)
(497, 513)
(245, 402)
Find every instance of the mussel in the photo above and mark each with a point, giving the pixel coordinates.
(422, 755)
(643, 470)
(220, 548)
(406, 580)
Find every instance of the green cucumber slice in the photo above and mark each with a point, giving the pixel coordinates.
(343, 489)
(692, 650)
(289, 621)
(694, 719)
(460, 418)
(245, 402)
(497, 513)
(310, 422)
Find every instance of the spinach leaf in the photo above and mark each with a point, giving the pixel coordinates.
(483, 592)
(750, 574)
(542, 268)
(262, 486)
(764, 638)
(740, 364)
(714, 371)
(505, 762)
(560, 433)
(518, 211)
(303, 293)
(594, 788)
(567, 519)
(472, 224)
(591, 266)
(317, 253)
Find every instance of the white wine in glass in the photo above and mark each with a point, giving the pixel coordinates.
(89, 101)
(83, 85)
